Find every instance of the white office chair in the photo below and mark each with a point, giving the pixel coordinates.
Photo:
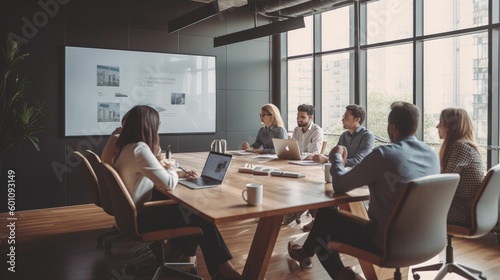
(415, 232)
(484, 216)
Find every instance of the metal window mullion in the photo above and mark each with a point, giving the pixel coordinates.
(494, 95)
(317, 62)
(418, 62)
(360, 57)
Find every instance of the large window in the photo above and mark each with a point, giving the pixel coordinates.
(300, 82)
(300, 41)
(389, 79)
(455, 75)
(388, 20)
(448, 15)
(336, 85)
(436, 54)
(336, 31)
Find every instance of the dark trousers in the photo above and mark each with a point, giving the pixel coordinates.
(215, 251)
(329, 225)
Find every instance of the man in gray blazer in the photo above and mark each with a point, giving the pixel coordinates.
(385, 170)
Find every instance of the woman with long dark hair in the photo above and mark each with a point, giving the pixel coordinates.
(141, 171)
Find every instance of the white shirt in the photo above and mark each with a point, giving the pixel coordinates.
(140, 170)
(310, 142)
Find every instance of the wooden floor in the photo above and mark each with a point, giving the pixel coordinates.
(60, 243)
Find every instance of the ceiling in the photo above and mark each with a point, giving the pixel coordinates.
(279, 8)
(281, 13)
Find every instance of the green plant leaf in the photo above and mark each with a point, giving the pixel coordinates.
(20, 116)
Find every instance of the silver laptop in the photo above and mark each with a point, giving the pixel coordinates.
(213, 172)
(287, 149)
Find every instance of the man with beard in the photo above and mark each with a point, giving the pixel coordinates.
(310, 138)
(308, 134)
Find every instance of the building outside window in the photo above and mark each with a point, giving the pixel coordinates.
(443, 61)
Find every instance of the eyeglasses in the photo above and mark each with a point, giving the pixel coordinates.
(263, 115)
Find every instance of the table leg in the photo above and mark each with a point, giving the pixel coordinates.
(262, 247)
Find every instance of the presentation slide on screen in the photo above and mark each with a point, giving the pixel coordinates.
(101, 85)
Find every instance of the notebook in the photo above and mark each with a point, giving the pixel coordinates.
(287, 149)
(213, 172)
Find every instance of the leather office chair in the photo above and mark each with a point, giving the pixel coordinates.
(126, 218)
(296, 216)
(323, 147)
(106, 203)
(90, 180)
(416, 231)
(496, 229)
(484, 216)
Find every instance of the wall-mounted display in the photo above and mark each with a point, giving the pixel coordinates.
(101, 85)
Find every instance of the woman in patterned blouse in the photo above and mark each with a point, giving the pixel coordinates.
(459, 154)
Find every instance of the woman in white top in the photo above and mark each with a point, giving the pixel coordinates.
(141, 171)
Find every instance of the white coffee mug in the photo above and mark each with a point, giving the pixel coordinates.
(326, 168)
(253, 194)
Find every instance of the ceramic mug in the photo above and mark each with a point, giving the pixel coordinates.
(219, 146)
(252, 194)
(326, 168)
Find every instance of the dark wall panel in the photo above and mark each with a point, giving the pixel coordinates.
(153, 41)
(49, 178)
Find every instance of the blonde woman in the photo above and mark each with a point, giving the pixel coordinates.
(459, 154)
(273, 127)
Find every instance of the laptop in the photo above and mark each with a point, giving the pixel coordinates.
(287, 149)
(213, 172)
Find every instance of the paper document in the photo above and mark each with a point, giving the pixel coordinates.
(241, 153)
(304, 162)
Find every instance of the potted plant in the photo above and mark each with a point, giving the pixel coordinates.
(20, 116)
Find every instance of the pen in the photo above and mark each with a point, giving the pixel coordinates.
(181, 168)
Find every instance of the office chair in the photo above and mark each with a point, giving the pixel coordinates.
(323, 147)
(496, 229)
(90, 180)
(297, 215)
(415, 232)
(126, 218)
(484, 216)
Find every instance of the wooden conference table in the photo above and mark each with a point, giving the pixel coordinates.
(281, 195)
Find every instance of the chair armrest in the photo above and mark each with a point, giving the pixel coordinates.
(359, 220)
(355, 252)
(156, 203)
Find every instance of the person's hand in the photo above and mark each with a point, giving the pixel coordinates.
(245, 146)
(189, 174)
(117, 130)
(340, 150)
(162, 156)
(167, 163)
(257, 151)
(320, 158)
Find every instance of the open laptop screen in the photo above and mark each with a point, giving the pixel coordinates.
(216, 166)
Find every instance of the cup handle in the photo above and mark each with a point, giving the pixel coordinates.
(243, 195)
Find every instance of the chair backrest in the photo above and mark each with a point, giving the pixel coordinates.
(485, 204)
(104, 196)
(323, 147)
(89, 178)
(123, 204)
(416, 230)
